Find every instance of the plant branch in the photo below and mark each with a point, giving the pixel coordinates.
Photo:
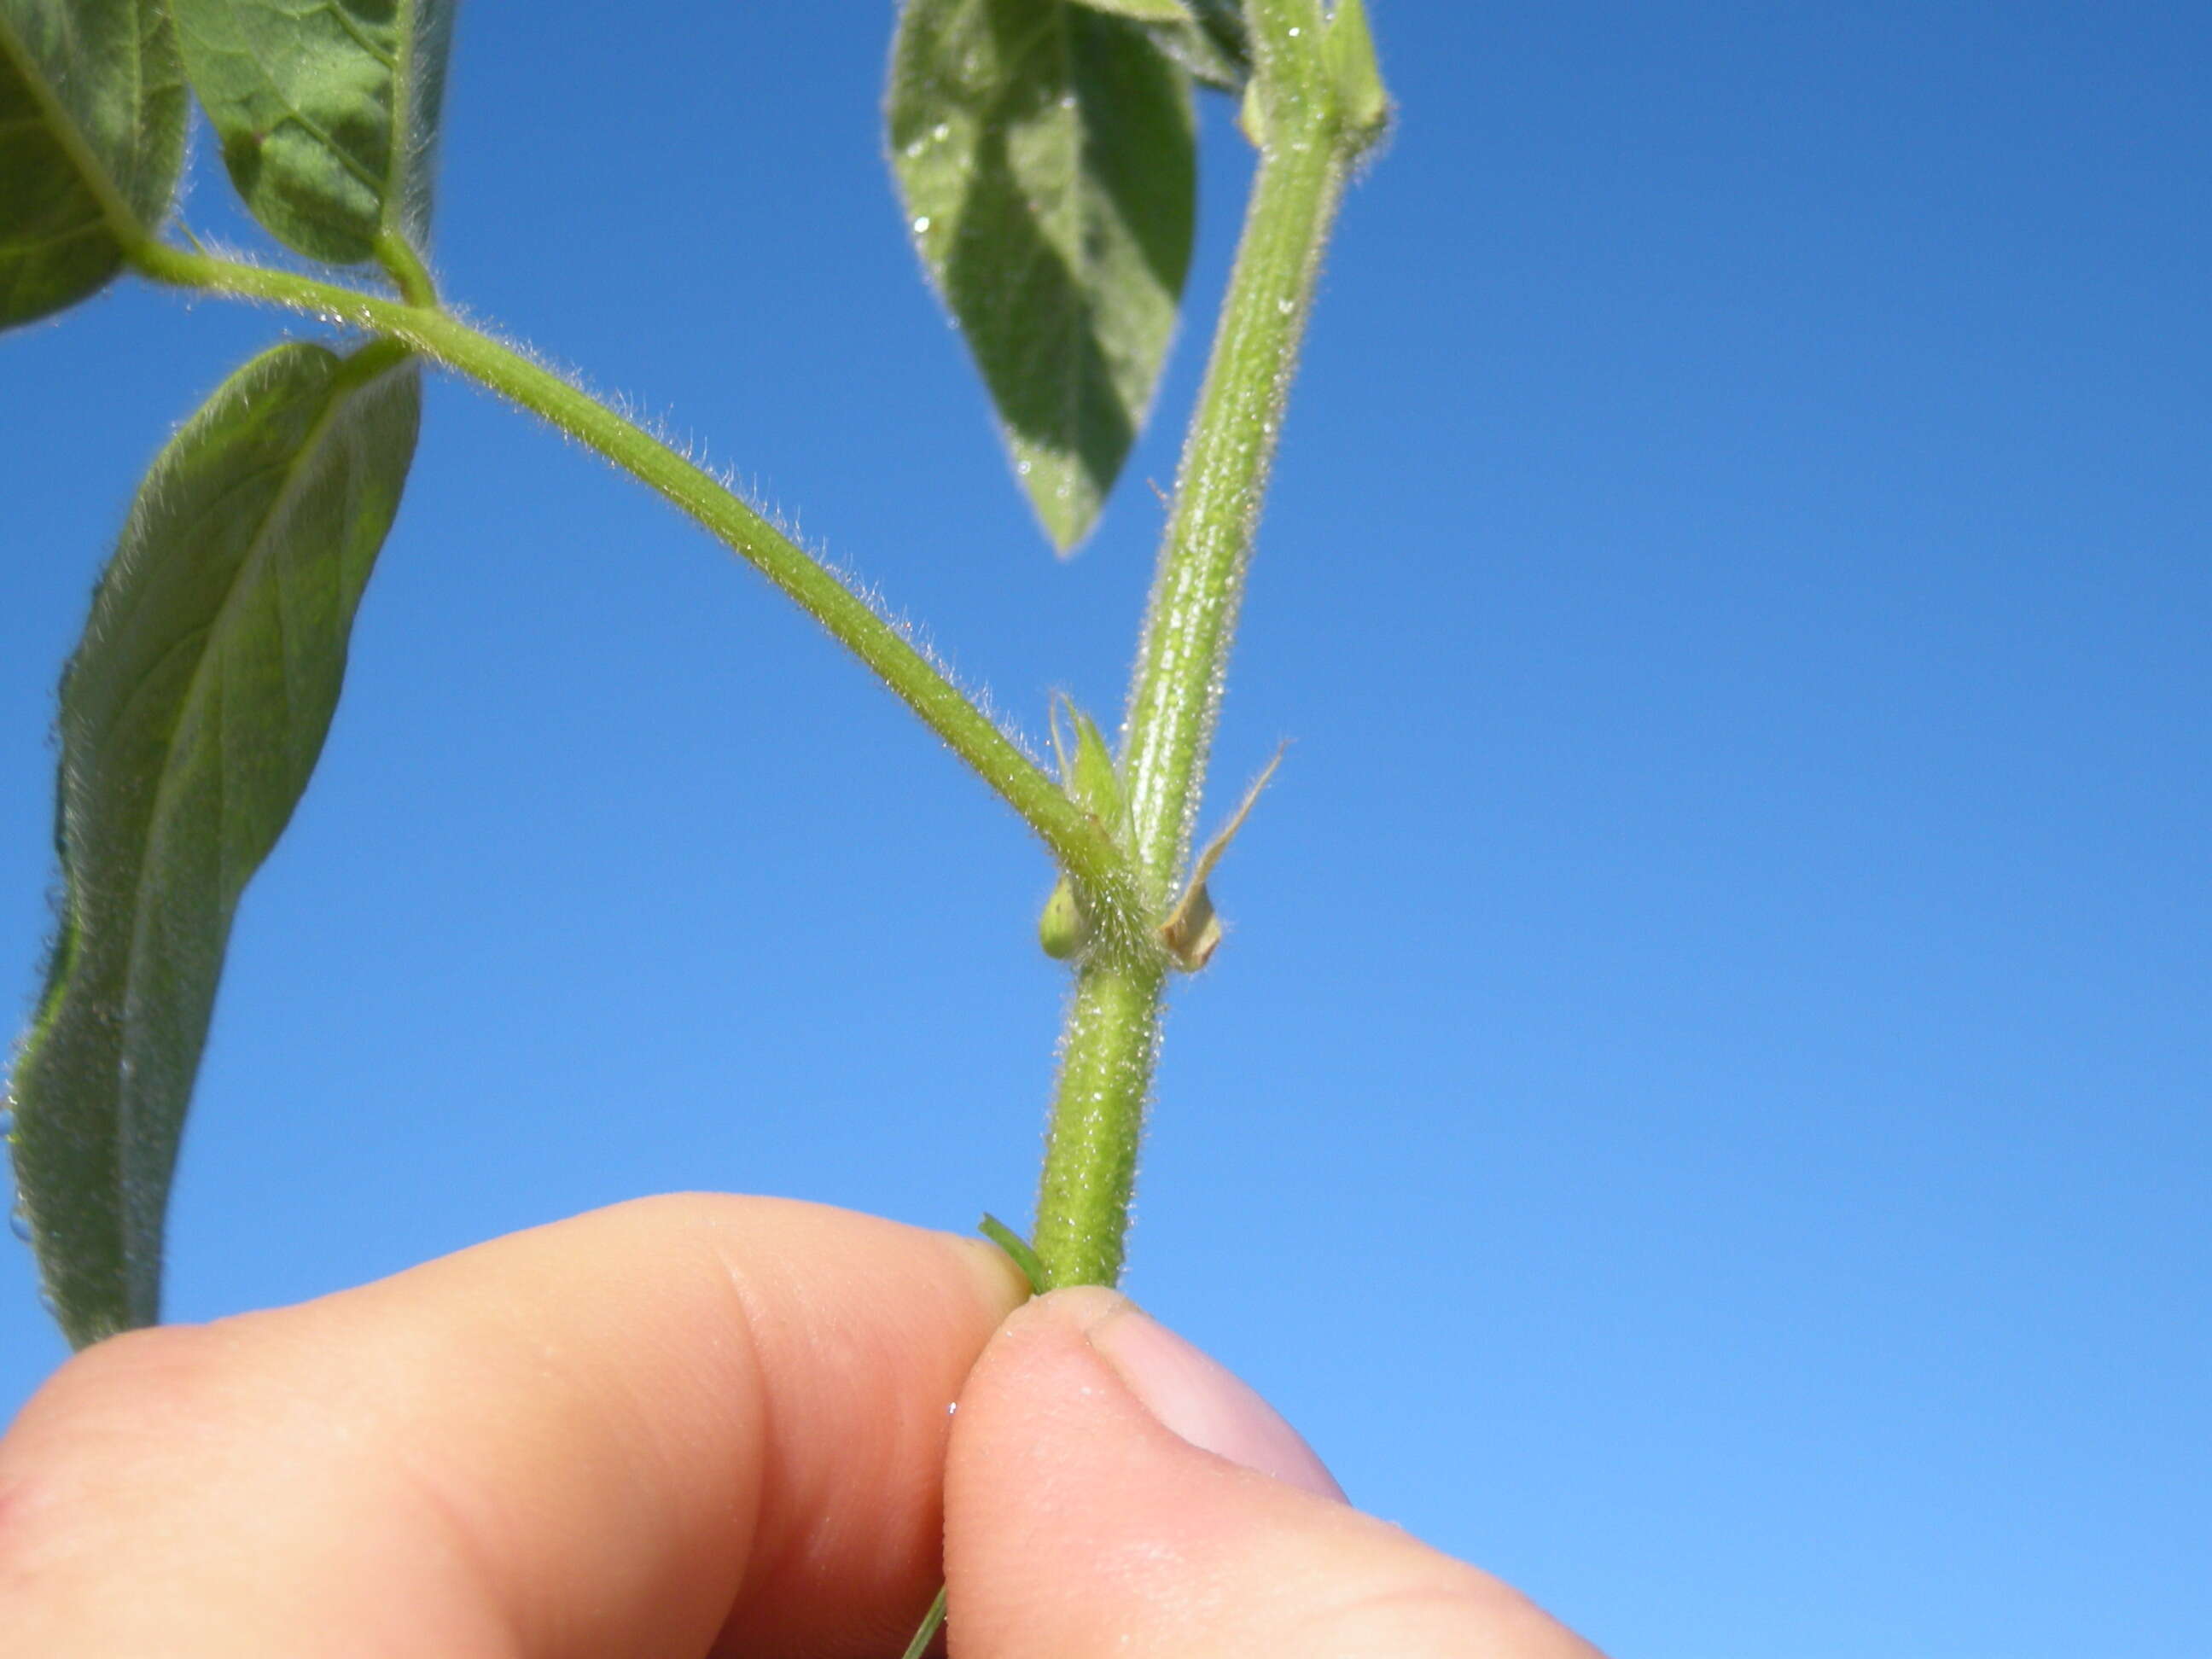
(1075, 840)
(408, 272)
(1112, 1038)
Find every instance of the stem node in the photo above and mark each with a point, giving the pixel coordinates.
(1112, 1039)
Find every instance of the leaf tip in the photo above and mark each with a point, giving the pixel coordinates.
(1061, 494)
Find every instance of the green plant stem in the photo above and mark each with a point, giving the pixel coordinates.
(408, 272)
(1106, 1061)
(1073, 837)
(1286, 55)
(1199, 586)
(1112, 1038)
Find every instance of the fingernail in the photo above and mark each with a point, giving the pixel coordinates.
(1206, 1403)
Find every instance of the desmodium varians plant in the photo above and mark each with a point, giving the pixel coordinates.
(1045, 152)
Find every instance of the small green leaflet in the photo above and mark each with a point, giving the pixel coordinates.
(1087, 769)
(1018, 1250)
(91, 135)
(1047, 158)
(327, 111)
(190, 718)
(1092, 780)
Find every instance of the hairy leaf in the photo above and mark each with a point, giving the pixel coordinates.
(190, 718)
(327, 111)
(91, 135)
(1047, 158)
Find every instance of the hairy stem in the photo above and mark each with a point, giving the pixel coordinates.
(1112, 1038)
(408, 272)
(1073, 837)
(1106, 1061)
(1177, 694)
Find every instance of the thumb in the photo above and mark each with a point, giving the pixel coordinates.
(1111, 1490)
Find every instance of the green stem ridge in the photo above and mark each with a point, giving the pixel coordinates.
(1082, 846)
(1112, 1037)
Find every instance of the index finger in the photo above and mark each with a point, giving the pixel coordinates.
(647, 1429)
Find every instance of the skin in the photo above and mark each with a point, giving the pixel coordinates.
(692, 1426)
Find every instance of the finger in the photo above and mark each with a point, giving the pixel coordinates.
(1111, 1491)
(625, 1433)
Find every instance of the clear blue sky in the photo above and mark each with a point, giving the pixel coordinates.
(1703, 1106)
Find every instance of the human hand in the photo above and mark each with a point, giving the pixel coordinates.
(698, 1425)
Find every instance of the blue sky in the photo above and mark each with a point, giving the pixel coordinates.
(1703, 1107)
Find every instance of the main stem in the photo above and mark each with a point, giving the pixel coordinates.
(415, 321)
(1112, 1038)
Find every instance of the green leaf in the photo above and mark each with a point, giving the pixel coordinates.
(1210, 41)
(1225, 21)
(1016, 1248)
(1091, 780)
(1087, 771)
(1046, 158)
(92, 137)
(925, 1632)
(327, 111)
(1143, 11)
(190, 718)
(1219, 59)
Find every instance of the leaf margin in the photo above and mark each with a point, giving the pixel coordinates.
(403, 120)
(127, 208)
(114, 1284)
